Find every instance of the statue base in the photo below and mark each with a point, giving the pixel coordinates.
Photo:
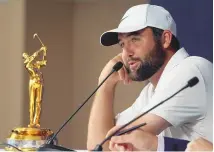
(28, 139)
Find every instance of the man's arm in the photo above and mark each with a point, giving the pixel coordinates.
(154, 126)
(139, 140)
(102, 116)
(154, 123)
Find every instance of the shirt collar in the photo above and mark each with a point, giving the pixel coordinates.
(175, 60)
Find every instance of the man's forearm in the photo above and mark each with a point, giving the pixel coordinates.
(101, 117)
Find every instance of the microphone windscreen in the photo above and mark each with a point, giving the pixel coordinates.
(117, 66)
(193, 81)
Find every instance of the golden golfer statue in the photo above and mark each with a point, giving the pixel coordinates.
(36, 82)
(32, 137)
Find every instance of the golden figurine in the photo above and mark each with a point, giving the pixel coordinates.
(36, 83)
(32, 137)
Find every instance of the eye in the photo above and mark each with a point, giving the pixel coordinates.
(121, 44)
(134, 39)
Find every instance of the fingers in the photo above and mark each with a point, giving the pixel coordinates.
(123, 74)
(120, 147)
(119, 143)
(112, 146)
(116, 147)
(127, 79)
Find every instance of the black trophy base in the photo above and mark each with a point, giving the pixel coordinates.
(51, 147)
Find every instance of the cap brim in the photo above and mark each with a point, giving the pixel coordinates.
(111, 37)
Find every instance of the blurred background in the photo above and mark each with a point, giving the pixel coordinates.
(71, 30)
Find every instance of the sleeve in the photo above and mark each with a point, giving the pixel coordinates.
(172, 144)
(188, 105)
(160, 143)
(134, 110)
(124, 116)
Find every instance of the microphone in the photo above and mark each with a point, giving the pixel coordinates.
(117, 66)
(192, 82)
(49, 146)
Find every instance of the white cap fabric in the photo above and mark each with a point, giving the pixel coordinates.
(137, 18)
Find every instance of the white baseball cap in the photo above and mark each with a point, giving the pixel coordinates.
(137, 18)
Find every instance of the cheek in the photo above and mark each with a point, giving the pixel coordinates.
(144, 50)
(124, 59)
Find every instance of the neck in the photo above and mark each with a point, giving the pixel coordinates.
(155, 78)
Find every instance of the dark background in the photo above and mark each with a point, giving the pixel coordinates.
(194, 21)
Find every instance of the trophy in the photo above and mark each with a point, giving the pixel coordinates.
(32, 137)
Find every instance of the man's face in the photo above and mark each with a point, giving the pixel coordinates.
(141, 54)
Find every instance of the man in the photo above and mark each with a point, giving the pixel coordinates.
(151, 51)
(140, 140)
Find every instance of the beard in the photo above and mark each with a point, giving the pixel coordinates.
(151, 63)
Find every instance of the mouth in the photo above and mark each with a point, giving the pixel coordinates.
(134, 65)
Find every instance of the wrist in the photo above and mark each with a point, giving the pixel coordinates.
(108, 83)
(107, 86)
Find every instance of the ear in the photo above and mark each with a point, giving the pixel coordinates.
(166, 39)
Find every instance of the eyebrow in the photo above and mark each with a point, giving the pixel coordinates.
(130, 34)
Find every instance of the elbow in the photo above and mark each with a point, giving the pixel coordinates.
(90, 146)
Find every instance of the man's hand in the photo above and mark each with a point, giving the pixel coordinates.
(137, 140)
(200, 144)
(121, 75)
